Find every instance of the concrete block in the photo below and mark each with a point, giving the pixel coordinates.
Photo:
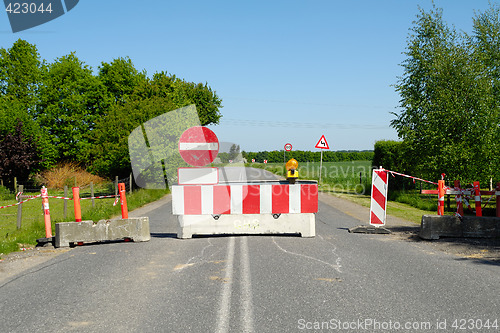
(435, 226)
(247, 224)
(481, 227)
(136, 229)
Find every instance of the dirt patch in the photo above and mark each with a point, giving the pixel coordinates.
(483, 250)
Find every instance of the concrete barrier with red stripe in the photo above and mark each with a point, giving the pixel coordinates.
(253, 208)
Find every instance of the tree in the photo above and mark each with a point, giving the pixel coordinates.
(449, 117)
(12, 113)
(112, 132)
(234, 151)
(184, 93)
(20, 74)
(72, 100)
(120, 78)
(19, 154)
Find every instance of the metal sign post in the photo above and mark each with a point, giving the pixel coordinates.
(322, 144)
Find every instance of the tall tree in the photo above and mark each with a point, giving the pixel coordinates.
(12, 113)
(120, 78)
(21, 73)
(19, 154)
(72, 100)
(447, 103)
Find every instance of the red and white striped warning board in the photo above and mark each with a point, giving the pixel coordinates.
(378, 204)
(198, 146)
(245, 199)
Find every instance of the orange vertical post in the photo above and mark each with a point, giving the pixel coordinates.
(76, 203)
(123, 200)
(458, 197)
(498, 199)
(477, 198)
(441, 197)
(46, 212)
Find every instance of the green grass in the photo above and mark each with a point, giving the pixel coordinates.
(341, 177)
(33, 226)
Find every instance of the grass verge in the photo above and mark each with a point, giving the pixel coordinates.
(32, 228)
(397, 209)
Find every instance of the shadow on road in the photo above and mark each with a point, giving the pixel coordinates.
(163, 235)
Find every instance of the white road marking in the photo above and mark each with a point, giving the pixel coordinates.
(246, 309)
(225, 302)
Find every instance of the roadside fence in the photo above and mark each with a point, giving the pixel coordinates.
(463, 196)
(25, 192)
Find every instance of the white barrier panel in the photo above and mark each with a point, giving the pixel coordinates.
(275, 198)
(195, 176)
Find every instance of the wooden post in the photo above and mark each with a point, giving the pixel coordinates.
(131, 183)
(15, 183)
(116, 186)
(458, 198)
(20, 207)
(65, 211)
(92, 194)
(477, 198)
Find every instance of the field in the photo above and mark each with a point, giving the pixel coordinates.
(352, 180)
(343, 177)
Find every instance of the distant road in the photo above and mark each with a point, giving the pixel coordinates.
(252, 284)
(238, 174)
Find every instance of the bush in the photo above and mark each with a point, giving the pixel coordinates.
(5, 194)
(67, 174)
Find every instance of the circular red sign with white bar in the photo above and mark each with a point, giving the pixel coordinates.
(198, 146)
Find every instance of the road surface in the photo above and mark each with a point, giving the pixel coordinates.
(336, 281)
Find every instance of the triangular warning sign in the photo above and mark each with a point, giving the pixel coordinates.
(322, 144)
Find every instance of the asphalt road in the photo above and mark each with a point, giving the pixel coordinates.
(336, 281)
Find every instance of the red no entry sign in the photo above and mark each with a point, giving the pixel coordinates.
(198, 146)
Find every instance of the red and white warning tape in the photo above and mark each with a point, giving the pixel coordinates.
(412, 177)
(20, 202)
(31, 197)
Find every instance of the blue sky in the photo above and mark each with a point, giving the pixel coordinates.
(287, 71)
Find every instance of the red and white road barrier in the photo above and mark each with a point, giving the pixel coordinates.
(441, 192)
(244, 199)
(498, 199)
(461, 196)
(46, 212)
(477, 199)
(378, 204)
(123, 200)
(76, 204)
